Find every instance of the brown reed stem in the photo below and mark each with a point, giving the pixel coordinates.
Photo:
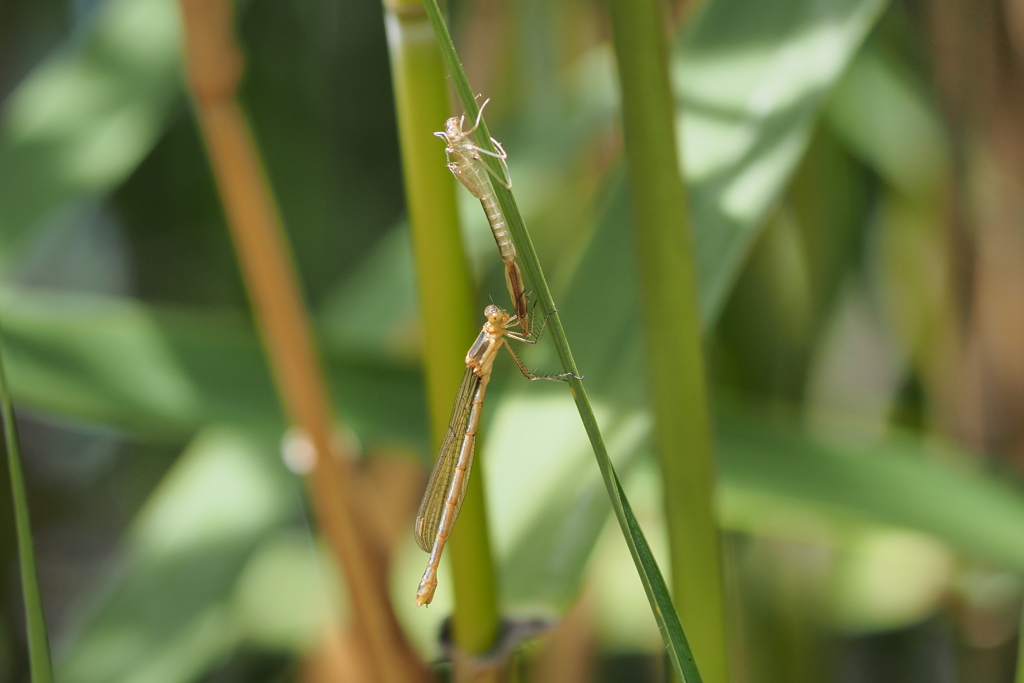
(214, 66)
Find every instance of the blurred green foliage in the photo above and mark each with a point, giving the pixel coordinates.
(816, 158)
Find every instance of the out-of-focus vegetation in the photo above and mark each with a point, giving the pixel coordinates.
(854, 171)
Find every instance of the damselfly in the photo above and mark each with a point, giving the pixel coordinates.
(447, 485)
(465, 162)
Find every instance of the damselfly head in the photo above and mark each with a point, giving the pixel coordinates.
(495, 316)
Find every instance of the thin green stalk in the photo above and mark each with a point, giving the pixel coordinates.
(1020, 651)
(672, 325)
(448, 315)
(38, 643)
(653, 582)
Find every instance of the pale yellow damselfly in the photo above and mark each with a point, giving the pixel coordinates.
(450, 476)
(466, 164)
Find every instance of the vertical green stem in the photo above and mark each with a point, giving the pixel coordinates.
(668, 280)
(662, 608)
(449, 318)
(1019, 678)
(38, 643)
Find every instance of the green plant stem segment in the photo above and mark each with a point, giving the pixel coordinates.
(672, 326)
(449, 318)
(1020, 652)
(38, 643)
(669, 625)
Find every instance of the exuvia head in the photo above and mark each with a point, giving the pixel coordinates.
(452, 129)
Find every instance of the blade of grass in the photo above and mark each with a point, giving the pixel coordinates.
(654, 584)
(214, 69)
(38, 644)
(446, 299)
(1019, 678)
(672, 327)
